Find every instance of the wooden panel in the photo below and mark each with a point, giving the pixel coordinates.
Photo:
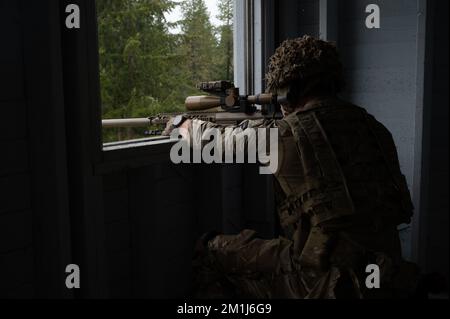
(10, 31)
(11, 62)
(11, 76)
(116, 181)
(14, 120)
(16, 270)
(11, 82)
(15, 191)
(118, 237)
(46, 117)
(259, 208)
(163, 234)
(119, 274)
(23, 291)
(116, 206)
(169, 206)
(209, 200)
(14, 158)
(15, 231)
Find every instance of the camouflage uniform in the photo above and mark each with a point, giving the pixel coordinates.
(341, 196)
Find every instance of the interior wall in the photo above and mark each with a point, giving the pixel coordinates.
(151, 227)
(34, 232)
(155, 214)
(16, 250)
(380, 70)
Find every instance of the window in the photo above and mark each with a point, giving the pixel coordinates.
(154, 53)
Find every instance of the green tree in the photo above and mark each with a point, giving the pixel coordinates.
(146, 70)
(136, 59)
(225, 56)
(198, 43)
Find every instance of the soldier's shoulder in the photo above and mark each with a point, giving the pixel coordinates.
(377, 125)
(337, 104)
(327, 105)
(252, 124)
(283, 126)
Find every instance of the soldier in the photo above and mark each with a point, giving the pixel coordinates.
(340, 196)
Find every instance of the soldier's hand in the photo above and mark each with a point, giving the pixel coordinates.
(183, 129)
(169, 128)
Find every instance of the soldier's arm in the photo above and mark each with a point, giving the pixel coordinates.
(235, 139)
(388, 146)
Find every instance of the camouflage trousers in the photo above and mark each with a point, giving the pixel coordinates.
(244, 266)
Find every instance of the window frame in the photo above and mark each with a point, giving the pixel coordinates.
(255, 42)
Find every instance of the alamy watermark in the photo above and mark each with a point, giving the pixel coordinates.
(373, 279)
(228, 145)
(73, 277)
(373, 20)
(73, 17)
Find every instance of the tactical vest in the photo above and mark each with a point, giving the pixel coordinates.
(347, 164)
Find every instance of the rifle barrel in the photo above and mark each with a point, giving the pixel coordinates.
(137, 122)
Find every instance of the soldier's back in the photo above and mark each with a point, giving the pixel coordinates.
(349, 183)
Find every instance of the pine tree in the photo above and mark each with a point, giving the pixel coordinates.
(136, 58)
(144, 69)
(225, 61)
(198, 42)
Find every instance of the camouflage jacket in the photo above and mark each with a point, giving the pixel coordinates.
(341, 195)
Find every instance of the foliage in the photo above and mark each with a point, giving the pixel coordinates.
(145, 69)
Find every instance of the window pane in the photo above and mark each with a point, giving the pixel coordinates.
(154, 52)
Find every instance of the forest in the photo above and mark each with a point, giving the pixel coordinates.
(145, 69)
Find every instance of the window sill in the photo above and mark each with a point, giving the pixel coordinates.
(114, 146)
(120, 156)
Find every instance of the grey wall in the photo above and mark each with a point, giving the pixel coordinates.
(384, 70)
(380, 68)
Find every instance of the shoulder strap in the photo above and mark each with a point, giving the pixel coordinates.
(333, 192)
